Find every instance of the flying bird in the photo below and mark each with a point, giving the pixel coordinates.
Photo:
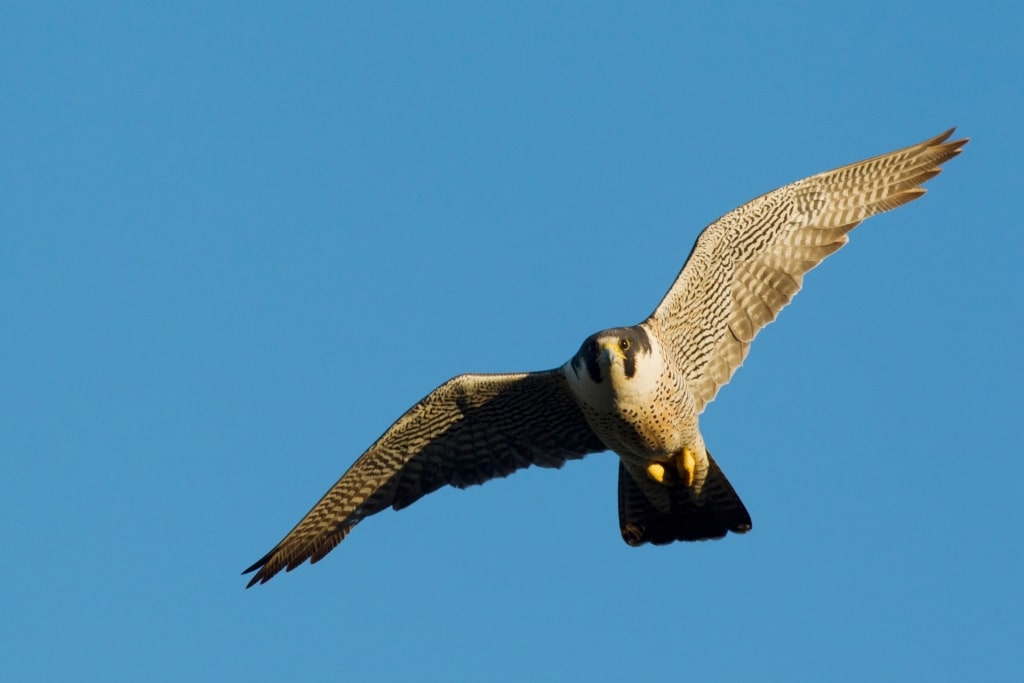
(637, 391)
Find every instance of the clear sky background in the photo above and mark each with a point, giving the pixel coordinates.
(237, 241)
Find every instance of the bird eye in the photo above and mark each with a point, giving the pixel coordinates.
(624, 344)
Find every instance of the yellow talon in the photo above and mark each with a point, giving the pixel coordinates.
(686, 463)
(656, 471)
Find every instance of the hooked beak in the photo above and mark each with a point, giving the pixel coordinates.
(609, 352)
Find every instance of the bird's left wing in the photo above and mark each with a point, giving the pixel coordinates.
(747, 265)
(470, 429)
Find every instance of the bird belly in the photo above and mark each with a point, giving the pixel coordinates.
(637, 441)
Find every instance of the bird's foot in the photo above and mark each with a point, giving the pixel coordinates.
(686, 465)
(656, 471)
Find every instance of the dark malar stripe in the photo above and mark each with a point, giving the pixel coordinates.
(593, 368)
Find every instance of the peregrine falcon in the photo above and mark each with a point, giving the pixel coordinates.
(637, 391)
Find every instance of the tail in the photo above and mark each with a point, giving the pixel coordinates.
(720, 512)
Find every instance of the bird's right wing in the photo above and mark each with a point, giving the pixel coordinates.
(470, 429)
(747, 265)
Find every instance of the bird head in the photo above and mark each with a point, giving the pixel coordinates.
(616, 358)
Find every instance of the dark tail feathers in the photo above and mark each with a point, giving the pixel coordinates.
(722, 511)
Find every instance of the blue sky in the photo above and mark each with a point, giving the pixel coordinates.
(236, 242)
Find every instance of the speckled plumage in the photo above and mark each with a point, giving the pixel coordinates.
(637, 390)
